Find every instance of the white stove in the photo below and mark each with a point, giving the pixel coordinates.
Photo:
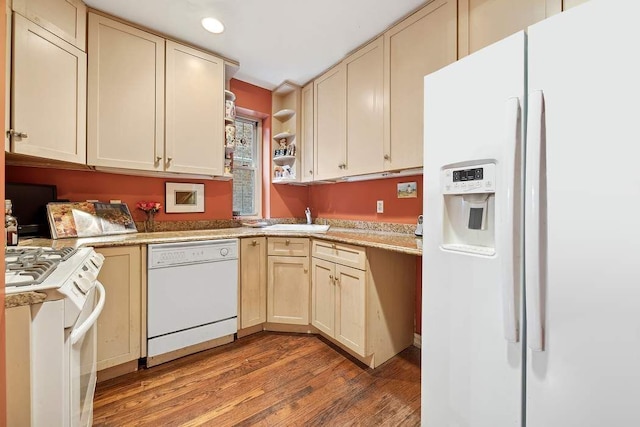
(66, 273)
(63, 335)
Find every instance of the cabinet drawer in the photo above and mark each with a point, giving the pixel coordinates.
(351, 256)
(288, 246)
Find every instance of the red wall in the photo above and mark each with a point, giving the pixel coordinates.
(83, 185)
(357, 201)
(279, 201)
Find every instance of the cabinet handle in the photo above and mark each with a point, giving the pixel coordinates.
(342, 165)
(15, 133)
(337, 281)
(158, 158)
(306, 270)
(387, 157)
(310, 172)
(254, 242)
(169, 160)
(333, 246)
(331, 277)
(286, 242)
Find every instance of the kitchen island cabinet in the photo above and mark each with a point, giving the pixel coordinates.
(122, 324)
(253, 282)
(360, 297)
(288, 280)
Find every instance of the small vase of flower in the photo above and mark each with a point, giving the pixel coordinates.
(150, 209)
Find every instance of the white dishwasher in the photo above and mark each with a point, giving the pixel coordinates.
(192, 294)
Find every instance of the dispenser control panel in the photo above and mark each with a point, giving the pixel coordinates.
(469, 179)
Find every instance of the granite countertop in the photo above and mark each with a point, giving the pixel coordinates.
(396, 242)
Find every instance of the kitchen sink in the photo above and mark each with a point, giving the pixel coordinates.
(310, 228)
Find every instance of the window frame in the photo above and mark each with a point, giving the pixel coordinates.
(258, 166)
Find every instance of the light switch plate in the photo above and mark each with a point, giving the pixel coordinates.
(380, 206)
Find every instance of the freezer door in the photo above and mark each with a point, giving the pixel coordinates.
(472, 351)
(583, 280)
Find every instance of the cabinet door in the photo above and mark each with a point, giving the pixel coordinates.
(307, 144)
(194, 111)
(253, 281)
(288, 290)
(483, 23)
(66, 19)
(48, 99)
(568, 4)
(323, 295)
(350, 309)
(125, 117)
(18, 368)
(329, 124)
(419, 45)
(365, 91)
(119, 324)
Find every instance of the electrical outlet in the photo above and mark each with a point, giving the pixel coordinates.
(380, 206)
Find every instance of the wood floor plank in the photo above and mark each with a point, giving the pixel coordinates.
(270, 379)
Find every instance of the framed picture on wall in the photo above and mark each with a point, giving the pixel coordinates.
(184, 197)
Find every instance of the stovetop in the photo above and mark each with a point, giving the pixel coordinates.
(41, 268)
(26, 266)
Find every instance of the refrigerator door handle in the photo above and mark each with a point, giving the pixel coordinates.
(509, 312)
(534, 217)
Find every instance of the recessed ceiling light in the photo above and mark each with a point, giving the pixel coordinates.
(212, 25)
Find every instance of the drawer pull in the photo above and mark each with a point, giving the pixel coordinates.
(254, 242)
(333, 246)
(286, 242)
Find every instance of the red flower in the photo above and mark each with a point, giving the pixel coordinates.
(152, 207)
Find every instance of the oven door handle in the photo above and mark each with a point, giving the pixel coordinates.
(78, 333)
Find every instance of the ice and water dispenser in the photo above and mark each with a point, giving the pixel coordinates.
(469, 208)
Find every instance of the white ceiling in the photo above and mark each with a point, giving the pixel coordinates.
(273, 40)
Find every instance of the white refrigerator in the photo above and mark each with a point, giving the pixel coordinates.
(531, 247)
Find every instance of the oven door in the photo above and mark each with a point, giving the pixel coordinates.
(82, 349)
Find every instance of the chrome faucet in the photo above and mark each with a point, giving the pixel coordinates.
(307, 212)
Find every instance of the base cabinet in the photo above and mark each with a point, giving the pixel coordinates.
(120, 330)
(288, 281)
(253, 281)
(360, 299)
(18, 368)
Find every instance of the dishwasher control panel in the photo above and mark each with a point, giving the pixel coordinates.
(169, 254)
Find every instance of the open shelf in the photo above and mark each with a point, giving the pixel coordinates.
(284, 115)
(285, 135)
(284, 160)
(230, 96)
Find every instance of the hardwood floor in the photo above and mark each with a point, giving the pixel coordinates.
(266, 379)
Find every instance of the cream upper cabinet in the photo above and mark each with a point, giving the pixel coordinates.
(307, 142)
(364, 121)
(48, 95)
(253, 281)
(329, 112)
(419, 45)
(194, 111)
(66, 19)
(125, 96)
(568, 4)
(120, 332)
(482, 22)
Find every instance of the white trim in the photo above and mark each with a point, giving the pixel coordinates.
(417, 340)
